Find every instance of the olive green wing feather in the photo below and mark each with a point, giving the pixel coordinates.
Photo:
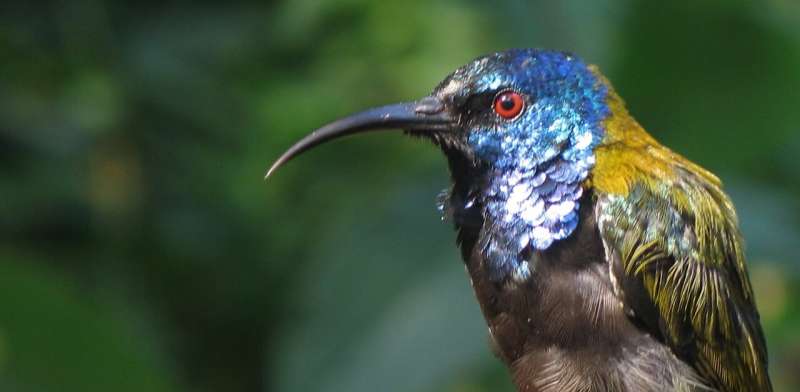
(676, 259)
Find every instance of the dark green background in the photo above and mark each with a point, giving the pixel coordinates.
(140, 249)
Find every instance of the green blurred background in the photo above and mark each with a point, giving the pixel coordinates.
(140, 249)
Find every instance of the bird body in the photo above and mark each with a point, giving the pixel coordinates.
(601, 260)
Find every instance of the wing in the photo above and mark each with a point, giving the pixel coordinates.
(676, 257)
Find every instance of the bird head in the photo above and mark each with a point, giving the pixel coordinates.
(519, 128)
(506, 110)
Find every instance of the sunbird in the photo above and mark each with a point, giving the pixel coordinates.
(601, 259)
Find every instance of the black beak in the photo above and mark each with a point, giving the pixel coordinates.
(425, 115)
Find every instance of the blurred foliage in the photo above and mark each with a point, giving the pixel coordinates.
(141, 250)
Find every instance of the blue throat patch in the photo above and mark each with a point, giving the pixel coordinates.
(537, 161)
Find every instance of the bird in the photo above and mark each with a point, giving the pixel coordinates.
(601, 259)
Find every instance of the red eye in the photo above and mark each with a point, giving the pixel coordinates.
(508, 104)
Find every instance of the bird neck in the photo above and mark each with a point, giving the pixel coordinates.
(516, 212)
(628, 156)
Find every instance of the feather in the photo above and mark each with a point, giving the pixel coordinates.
(673, 235)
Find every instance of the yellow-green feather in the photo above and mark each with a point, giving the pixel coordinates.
(675, 229)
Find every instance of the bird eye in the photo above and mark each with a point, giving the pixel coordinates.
(508, 104)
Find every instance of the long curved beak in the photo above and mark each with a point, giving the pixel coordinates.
(426, 115)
